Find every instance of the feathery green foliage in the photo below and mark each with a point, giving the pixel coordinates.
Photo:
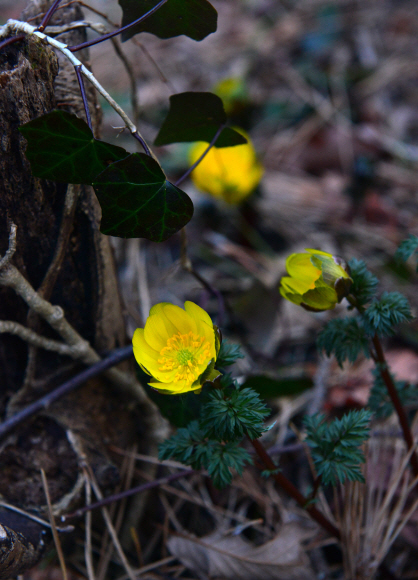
(228, 354)
(223, 458)
(335, 446)
(407, 248)
(364, 282)
(379, 401)
(232, 413)
(189, 446)
(382, 315)
(345, 338)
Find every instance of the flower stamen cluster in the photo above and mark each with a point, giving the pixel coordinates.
(185, 352)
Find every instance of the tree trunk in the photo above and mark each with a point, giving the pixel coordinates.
(61, 252)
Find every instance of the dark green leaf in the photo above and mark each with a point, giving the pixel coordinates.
(364, 282)
(228, 354)
(336, 446)
(407, 248)
(138, 202)
(193, 18)
(61, 147)
(232, 413)
(223, 458)
(178, 409)
(383, 315)
(197, 117)
(346, 338)
(269, 388)
(189, 446)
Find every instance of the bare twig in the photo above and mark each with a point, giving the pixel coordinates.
(150, 567)
(48, 15)
(12, 247)
(53, 527)
(205, 152)
(394, 397)
(111, 528)
(133, 39)
(288, 486)
(16, 25)
(50, 278)
(12, 40)
(12, 327)
(129, 492)
(186, 263)
(119, 30)
(70, 385)
(132, 78)
(88, 549)
(83, 95)
(126, 475)
(54, 315)
(34, 518)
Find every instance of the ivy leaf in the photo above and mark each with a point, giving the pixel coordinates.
(138, 202)
(197, 117)
(61, 147)
(193, 18)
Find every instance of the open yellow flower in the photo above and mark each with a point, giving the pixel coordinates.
(228, 173)
(177, 347)
(317, 280)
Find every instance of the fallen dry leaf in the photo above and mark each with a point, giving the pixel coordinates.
(234, 558)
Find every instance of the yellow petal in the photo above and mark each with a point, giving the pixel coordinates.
(204, 324)
(296, 286)
(143, 352)
(196, 312)
(182, 321)
(322, 297)
(230, 173)
(158, 310)
(174, 388)
(319, 252)
(299, 266)
(295, 298)
(155, 332)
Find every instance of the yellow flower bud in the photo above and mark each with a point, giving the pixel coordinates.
(177, 347)
(228, 173)
(233, 92)
(317, 280)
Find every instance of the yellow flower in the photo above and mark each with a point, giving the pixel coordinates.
(233, 92)
(317, 280)
(177, 347)
(229, 173)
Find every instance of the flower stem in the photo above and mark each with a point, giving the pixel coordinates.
(118, 31)
(379, 358)
(205, 152)
(394, 397)
(83, 95)
(48, 15)
(288, 486)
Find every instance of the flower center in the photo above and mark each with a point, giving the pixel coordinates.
(186, 353)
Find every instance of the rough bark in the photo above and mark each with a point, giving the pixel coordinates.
(82, 281)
